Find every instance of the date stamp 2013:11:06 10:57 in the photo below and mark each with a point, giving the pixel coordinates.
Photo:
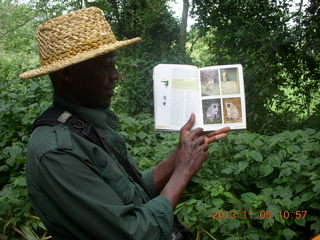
(234, 214)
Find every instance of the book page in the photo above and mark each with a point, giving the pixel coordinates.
(222, 97)
(176, 96)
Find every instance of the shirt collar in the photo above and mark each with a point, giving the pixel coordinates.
(100, 118)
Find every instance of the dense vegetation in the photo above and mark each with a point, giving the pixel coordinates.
(253, 179)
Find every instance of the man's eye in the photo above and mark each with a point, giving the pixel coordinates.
(110, 62)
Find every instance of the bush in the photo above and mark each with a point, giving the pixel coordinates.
(248, 180)
(269, 184)
(18, 110)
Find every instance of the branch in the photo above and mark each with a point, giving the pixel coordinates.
(296, 13)
(194, 42)
(21, 233)
(15, 28)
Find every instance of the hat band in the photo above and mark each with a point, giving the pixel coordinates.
(86, 45)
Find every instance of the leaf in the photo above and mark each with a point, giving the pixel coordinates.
(241, 166)
(285, 172)
(315, 226)
(232, 238)
(217, 202)
(256, 155)
(285, 192)
(248, 197)
(266, 169)
(262, 184)
(310, 146)
(227, 170)
(267, 223)
(307, 196)
(274, 160)
(233, 224)
(228, 195)
(28, 231)
(288, 233)
(296, 202)
(290, 149)
(301, 222)
(191, 201)
(316, 187)
(299, 187)
(142, 135)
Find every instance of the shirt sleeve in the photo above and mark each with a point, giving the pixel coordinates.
(147, 177)
(91, 209)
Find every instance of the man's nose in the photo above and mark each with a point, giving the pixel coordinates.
(115, 75)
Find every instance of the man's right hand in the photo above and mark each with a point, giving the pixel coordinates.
(189, 156)
(192, 150)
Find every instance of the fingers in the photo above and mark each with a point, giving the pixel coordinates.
(190, 123)
(219, 131)
(216, 138)
(200, 140)
(194, 133)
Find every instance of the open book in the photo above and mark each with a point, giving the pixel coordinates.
(215, 94)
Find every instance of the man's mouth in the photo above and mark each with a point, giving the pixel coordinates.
(110, 89)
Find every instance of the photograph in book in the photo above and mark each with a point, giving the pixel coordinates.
(232, 110)
(209, 82)
(230, 81)
(212, 110)
(214, 94)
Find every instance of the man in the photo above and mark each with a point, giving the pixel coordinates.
(79, 190)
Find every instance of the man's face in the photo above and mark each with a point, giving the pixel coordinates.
(93, 81)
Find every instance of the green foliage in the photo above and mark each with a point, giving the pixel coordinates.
(19, 107)
(278, 48)
(154, 23)
(260, 175)
(146, 145)
(18, 111)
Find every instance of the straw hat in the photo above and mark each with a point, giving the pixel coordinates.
(73, 38)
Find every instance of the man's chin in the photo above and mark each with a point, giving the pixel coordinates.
(107, 104)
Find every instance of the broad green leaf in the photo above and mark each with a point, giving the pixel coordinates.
(315, 226)
(316, 187)
(274, 160)
(228, 195)
(288, 233)
(242, 165)
(248, 197)
(285, 172)
(217, 202)
(266, 169)
(256, 155)
(267, 223)
(285, 192)
(227, 170)
(300, 222)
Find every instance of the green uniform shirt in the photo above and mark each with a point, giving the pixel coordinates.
(81, 192)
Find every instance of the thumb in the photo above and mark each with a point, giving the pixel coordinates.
(190, 123)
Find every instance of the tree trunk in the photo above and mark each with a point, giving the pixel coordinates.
(183, 27)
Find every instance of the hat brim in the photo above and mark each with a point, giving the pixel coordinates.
(80, 57)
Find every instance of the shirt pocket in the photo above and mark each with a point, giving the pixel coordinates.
(119, 182)
(123, 187)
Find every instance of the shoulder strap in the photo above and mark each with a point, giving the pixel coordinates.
(57, 115)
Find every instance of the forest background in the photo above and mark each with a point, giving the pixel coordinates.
(268, 175)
